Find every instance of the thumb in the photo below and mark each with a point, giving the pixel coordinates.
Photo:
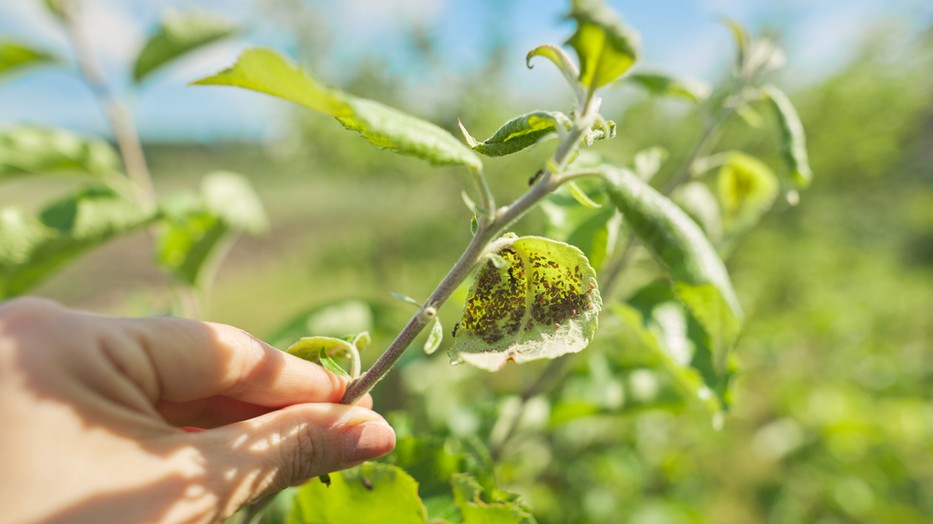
(255, 457)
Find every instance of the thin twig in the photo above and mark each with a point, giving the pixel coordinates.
(117, 114)
(475, 250)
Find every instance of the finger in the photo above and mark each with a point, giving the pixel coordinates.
(291, 445)
(219, 411)
(209, 412)
(197, 360)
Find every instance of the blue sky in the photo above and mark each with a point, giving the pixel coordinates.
(682, 37)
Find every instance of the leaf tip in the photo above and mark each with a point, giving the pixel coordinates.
(466, 135)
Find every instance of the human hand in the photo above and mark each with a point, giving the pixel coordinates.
(92, 410)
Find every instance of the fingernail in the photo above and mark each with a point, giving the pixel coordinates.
(367, 441)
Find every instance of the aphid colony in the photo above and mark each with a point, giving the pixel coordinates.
(526, 291)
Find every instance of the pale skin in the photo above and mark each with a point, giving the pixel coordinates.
(98, 418)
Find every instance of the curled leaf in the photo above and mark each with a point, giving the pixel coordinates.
(324, 350)
(559, 58)
(793, 137)
(434, 337)
(518, 133)
(698, 275)
(543, 304)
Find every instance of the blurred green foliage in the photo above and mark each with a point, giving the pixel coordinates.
(832, 417)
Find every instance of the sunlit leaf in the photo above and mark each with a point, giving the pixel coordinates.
(178, 34)
(405, 298)
(793, 137)
(311, 348)
(699, 277)
(661, 326)
(559, 58)
(32, 248)
(29, 150)
(17, 56)
(543, 304)
(659, 84)
(699, 203)
(266, 71)
(594, 231)
(335, 319)
(581, 197)
(648, 162)
(370, 492)
(518, 133)
(468, 497)
(605, 47)
(323, 350)
(231, 197)
(747, 189)
(434, 337)
(198, 228)
(763, 56)
(741, 41)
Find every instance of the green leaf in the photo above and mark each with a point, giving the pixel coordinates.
(324, 350)
(370, 492)
(29, 150)
(32, 248)
(518, 133)
(543, 304)
(434, 337)
(793, 138)
(648, 162)
(405, 298)
(741, 41)
(332, 366)
(56, 8)
(605, 47)
(189, 239)
(178, 34)
(594, 231)
(699, 203)
(198, 228)
(559, 58)
(699, 277)
(747, 190)
(468, 497)
(266, 71)
(581, 197)
(231, 197)
(16, 56)
(338, 318)
(313, 348)
(660, 326)
(663, 85)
